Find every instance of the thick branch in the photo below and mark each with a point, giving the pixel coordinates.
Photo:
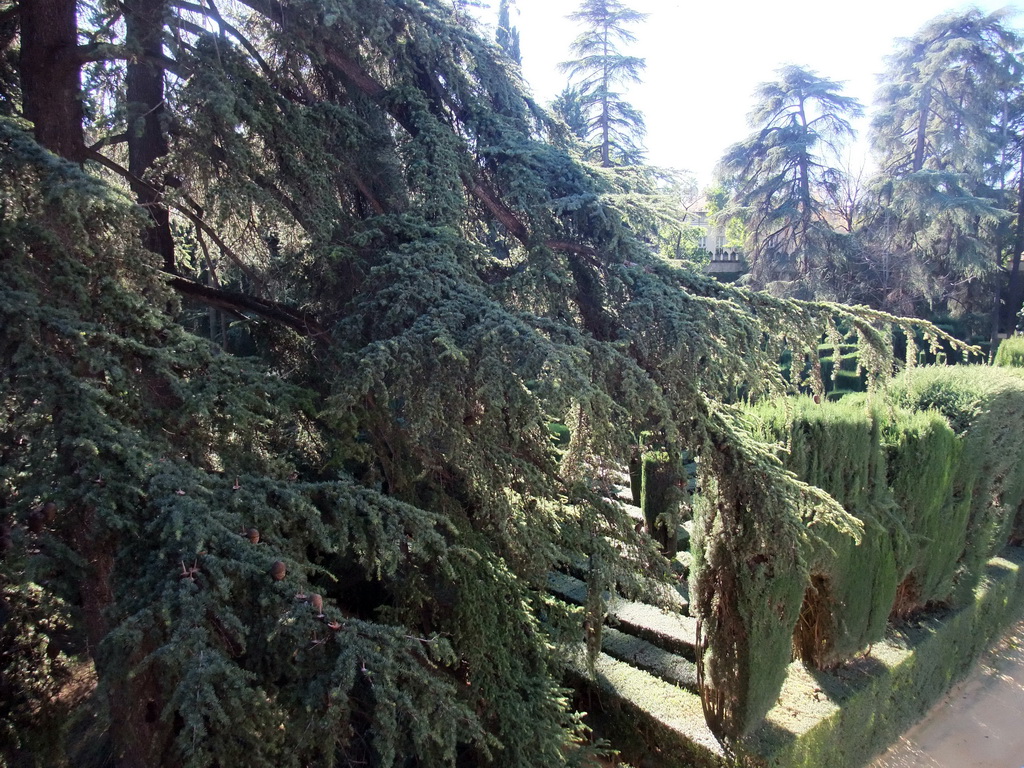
(108, 141)
(197, 29)
(299, 321)
(110, 52)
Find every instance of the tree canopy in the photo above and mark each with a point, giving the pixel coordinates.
(612, 129)
(783, 178)
(288, 299)
(945, 133)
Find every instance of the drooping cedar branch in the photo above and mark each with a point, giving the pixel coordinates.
(368, 86)
(228, 28)
(191, 215)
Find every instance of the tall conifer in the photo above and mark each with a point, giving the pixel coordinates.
(614, 128)
(783, 174)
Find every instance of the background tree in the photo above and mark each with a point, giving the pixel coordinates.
(50, 75)
(783, 178)
(614, 128)
(568, 107)
(679, 237)
(507, 35)
(941, 134)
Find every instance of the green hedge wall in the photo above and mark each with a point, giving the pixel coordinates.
(1010, 353)
(934, 469)
(922, 453)
(837, 447)
(866, 707)
(985, 408)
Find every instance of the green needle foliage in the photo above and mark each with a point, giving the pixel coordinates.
(783, 179)
(611, 129)
(332, 549)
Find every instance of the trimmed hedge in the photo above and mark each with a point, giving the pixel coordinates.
(1010, 353)
(849, 377)
(838, 719)
(933, 470)
(837, 447)
(922, 453)
(985, 408)
(843, 720)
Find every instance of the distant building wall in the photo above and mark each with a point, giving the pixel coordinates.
(725, 262)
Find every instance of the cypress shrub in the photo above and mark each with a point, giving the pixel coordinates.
(758, 567)
(635, 468)
(837, 448)
(661, 496)
(922, 454)
(985, 408)
(1010, 353)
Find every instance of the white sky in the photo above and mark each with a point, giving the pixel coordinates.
(704, 59)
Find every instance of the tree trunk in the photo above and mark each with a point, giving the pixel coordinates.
(922, 129)
(606, 155)
(806, 203)
(1014, 292)
(50, 76)
(144, 22)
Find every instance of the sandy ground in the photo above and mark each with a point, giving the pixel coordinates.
(980, 723)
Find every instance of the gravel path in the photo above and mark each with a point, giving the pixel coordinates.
(979, 724)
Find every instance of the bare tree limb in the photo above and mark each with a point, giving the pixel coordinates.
(110, 52)
(108, 141)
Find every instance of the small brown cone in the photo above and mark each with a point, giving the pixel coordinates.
(318, 603)
(50, 511)
(278, 570)
(253, 536)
